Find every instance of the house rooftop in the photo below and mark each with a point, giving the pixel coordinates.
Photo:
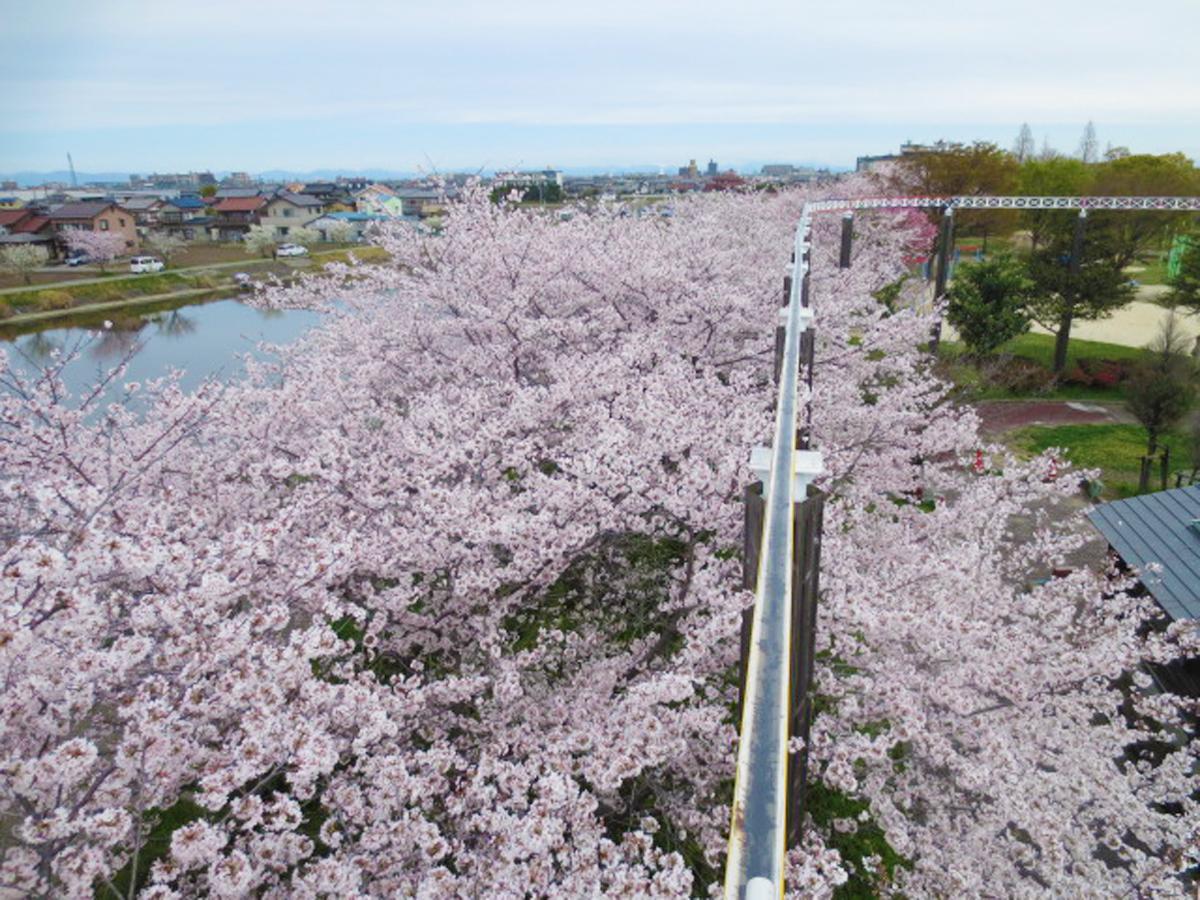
(299, 199)
(141, 204)
(87, 209)
(240, 204)
(9, 217)
(1159, 535)
(187, 203)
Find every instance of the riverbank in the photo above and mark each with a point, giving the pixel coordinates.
(94, 314)
(88, 302)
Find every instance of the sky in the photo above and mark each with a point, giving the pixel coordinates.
(256, 85)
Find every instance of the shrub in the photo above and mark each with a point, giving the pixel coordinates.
(1018, 375)
(1078, 375)
(50, 300)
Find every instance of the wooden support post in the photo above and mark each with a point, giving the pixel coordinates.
(806, 559)
(944, 257)
(808, 341)
(847, 238)
(752, 531)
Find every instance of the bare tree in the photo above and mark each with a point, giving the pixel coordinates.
(1024, 147)
(23, 259)
(1089, 148)
(1161, 389)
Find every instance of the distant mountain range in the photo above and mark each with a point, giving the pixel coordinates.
(32, 179)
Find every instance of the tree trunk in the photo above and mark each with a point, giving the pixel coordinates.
(1060, 341)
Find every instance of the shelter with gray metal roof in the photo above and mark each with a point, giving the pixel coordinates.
(1159, 535)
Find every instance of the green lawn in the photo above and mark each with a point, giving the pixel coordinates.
(1114, 449)
(1037, 348)
(1154, 269)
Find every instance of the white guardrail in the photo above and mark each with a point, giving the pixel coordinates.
(758, 830)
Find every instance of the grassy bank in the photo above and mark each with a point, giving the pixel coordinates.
(1114, 449)
(96, 294)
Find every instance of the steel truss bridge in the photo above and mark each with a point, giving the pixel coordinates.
(782, 549)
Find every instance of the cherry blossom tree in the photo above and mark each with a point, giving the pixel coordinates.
(102, 246)
(445, 599)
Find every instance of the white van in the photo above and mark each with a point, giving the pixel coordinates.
(146, 264)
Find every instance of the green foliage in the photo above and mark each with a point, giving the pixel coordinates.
(158, 826)
(889, 293)
(1185, 285)
(1056, 176)
(619, 589)
(542, 192)
(825, 804)
(987, 302)
(1095, 291)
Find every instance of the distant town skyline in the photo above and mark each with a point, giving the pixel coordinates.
(134, 86)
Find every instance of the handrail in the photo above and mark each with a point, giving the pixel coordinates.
(758, 833)
(757, 855)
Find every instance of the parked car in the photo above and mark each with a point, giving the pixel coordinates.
(146, 264)
(79, 259)
(291, 250)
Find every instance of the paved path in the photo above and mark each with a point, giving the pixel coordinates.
(1135, 325)
(998, 416)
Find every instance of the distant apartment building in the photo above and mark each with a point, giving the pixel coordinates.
(690, 170)
(238, 180)
(711, 169)
(908, 148)
(184, 181)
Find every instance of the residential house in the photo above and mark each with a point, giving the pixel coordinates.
(145, 212)
(286, 211)
(422, 202)
(234, 216)
(1158, 534)
(379, 199)
(27, 226)
(360, 224)
(94, 215)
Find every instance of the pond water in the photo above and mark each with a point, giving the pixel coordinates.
(204, 340)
